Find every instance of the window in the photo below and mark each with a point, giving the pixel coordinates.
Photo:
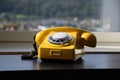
(29, 15)
(19, 23)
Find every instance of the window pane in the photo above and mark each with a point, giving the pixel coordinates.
(29, 15)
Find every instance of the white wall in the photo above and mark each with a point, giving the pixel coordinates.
(111, 15)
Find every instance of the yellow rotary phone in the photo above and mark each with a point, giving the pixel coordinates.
(62, 43)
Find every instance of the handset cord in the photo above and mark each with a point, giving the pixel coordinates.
(32, 54)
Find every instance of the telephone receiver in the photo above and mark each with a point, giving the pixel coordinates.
(57, 42)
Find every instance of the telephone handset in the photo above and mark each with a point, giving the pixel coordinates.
(62, 43)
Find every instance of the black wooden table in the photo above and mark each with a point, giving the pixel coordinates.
(91, 65)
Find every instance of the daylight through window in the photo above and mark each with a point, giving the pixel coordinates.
(29, 15)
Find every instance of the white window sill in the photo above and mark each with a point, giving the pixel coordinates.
(27, 47)
(103, 49)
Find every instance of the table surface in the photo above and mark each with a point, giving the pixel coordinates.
(12, 63)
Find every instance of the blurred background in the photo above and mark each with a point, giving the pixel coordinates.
(36, 15)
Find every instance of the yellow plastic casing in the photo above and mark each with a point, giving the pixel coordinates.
(47, 50)
(53, 51)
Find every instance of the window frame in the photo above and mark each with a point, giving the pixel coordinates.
(21, 41)
(102, 37)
